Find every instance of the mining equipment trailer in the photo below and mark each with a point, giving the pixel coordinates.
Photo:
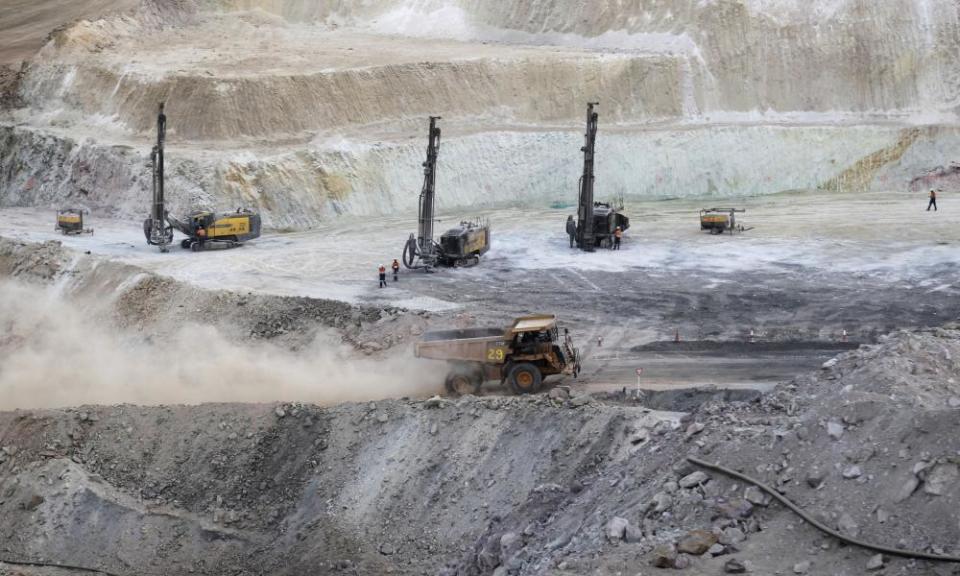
(70, 222)
(203, 230)
(720, 220)
(596, 221)
(459, 246)
(520, 356)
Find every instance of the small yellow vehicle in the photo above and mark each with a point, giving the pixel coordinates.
(70, 222)
(720, 220)
(520, 356)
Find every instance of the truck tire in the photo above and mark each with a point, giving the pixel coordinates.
(462, 381)
(525, 378)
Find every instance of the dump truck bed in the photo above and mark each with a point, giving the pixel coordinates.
(471, 345)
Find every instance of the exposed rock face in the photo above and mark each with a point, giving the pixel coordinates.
(312, 125)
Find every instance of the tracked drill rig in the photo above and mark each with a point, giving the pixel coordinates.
(203, 229)
(156, 228)
(459, 246)
(596, 221)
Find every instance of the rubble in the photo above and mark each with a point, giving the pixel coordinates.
(500, 484)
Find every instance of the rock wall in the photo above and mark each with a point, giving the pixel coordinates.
(314, 110)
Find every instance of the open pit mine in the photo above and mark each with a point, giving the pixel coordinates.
(479, 288)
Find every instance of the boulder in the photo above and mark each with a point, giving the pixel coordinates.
(852, 472)
(755, 496)
(694, 479)
(732, 535)
(435, 402)
(875, 562)
(835, 430)
(510, 544)
(848, 526)
(696, 542)
(908, 488)
(941, 479)
(734, 566)
(616, 528)
(632, 534)
(735, 509)
(579, 401)
(664, 556)
(815, 477)
(661, 502)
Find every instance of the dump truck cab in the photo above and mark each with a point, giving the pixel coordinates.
(521, 356)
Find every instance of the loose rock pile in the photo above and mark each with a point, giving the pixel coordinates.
(549, 484)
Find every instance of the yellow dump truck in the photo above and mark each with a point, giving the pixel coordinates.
(520, 356)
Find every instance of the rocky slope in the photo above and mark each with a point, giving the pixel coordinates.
(310, 111)
(546, 485)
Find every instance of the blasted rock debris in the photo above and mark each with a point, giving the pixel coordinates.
(227, 488)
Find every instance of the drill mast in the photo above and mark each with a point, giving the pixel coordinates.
(586, 238)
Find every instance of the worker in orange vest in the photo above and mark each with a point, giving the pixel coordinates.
(396, 269)
(383, 276)
(933, 201)
(201, 234)
(617, 236)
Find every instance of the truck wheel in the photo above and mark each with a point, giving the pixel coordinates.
(462, 382)
(525, 379)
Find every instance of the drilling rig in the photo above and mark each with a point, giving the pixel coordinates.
(156, 228)
(596, 221)
(203, 229)
(459, 246)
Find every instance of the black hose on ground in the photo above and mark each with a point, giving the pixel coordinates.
(58, 566)
(818, 525)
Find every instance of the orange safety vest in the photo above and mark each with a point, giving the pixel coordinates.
(383, 270)
(618, 233)
(933, 195)
(396, 265)
(201, 232)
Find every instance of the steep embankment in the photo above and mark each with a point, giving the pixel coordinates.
(309, 110)
(524, 486)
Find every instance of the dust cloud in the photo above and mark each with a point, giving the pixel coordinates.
(53, 354)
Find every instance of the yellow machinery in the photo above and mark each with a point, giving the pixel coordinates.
(209, 230)
(720, 220)
(521, 356)
(203, 230)
(70, 221)
(460, 246)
